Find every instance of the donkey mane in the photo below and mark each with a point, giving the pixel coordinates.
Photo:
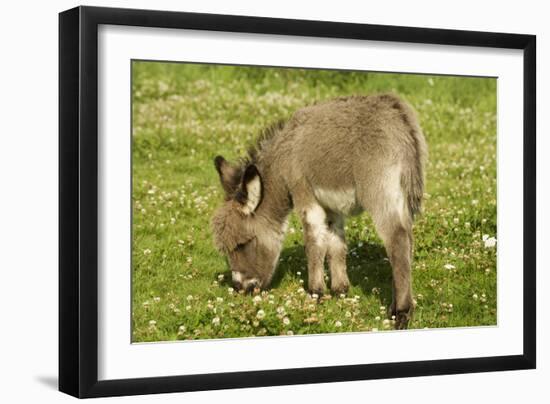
(266, 136)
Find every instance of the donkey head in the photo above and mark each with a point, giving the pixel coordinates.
(248, 239)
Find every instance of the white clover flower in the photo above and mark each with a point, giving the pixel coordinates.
(146, 251)
(286, 321)
(386, 323)
(257, 299)
(289, 332)
(298, 273)
(281, 310)
(348, 314)
(182, 329)
(338, 324)
(220, 277)
(189, 298)
(449, 266)
(219, 299)
(152, 323)
(315, 296)
(216, 321)
(360, 244)
(374, 329)
(156, 299)
(490, 242)
(377, 318)
(456, 220)
(475, 296)
(260, 314)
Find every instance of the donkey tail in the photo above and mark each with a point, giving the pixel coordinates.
(412, 180)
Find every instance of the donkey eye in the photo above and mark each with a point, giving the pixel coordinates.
(242, 246)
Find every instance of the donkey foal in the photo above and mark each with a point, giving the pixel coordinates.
(330, 160)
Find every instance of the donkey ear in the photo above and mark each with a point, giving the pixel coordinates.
(250, 191)
(229, 176)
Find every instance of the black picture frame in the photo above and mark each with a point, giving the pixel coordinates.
(78, 200)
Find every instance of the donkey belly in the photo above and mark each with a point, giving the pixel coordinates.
(342, 201)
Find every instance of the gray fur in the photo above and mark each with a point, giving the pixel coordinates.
(328, 161)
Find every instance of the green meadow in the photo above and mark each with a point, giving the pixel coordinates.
(183, 115)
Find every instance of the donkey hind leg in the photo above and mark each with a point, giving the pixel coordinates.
(384, 199)
(336, 254)
(397, 237)
(314, 220)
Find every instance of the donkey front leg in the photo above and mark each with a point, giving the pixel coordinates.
(336, 254)
(314, 220)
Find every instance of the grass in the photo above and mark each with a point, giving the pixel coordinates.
(185, 114)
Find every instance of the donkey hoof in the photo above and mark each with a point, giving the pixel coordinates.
(402, 319)
(317, 291)
(338, 290)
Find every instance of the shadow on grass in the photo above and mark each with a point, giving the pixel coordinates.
(368, 269)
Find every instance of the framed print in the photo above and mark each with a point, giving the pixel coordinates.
(251, 201)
